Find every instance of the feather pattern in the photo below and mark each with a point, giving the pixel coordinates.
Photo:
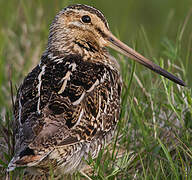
(68, 105)
(65, 107)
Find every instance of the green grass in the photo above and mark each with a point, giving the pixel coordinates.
(154, 137)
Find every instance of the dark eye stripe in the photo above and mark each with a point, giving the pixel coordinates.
(100, 32)
(86, 19)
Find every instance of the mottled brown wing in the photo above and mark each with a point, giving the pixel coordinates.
(65, 101)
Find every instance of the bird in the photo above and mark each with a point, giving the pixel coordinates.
(68, 106)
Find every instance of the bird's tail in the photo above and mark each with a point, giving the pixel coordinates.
(12, 165)
(24, 161)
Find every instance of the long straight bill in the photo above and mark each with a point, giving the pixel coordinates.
(119, 46)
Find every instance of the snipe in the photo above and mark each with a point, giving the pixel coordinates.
(68, 105)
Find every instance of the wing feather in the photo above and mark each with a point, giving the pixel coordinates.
(65, 102)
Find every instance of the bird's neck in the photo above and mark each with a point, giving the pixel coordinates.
(89, 51)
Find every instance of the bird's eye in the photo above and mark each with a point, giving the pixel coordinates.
(86, 19)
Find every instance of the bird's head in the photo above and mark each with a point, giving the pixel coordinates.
(84, 30)
(78, 27)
